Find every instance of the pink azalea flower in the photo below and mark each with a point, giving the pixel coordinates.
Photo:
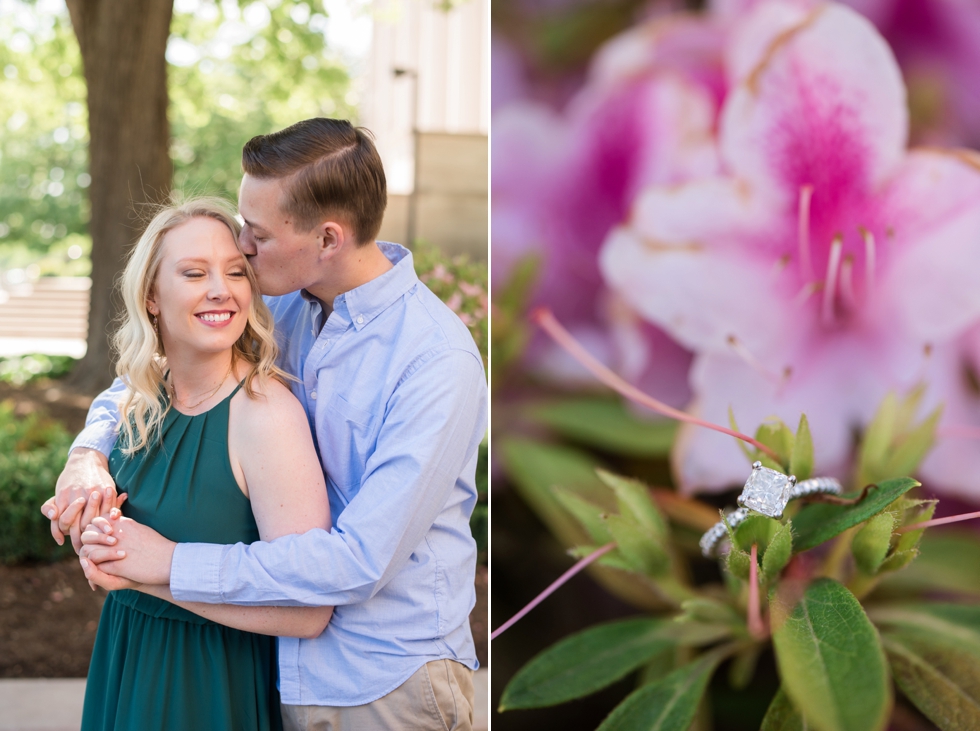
(562, 181)
(937, 44)
(826, 263)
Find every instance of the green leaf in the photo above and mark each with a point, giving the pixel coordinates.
(912, 447)
(778, 553)
(801, 460)
(958, 621)
(667, 705)
(537, 468)
(878, 438)
(607, 425)
(704, 609)
(948, 562)
(742, 667)
(934, 650)
(750, 455)
(636, 502)
(820, 522)
(830, 659)
(899, 560)
(778, 437)
(870, 544)
(644, 554)
(585, 662)
(757, 529)
(588, 514)
(739, 563)
(737, 560)
(914, 511)
(782, 716)
(613, 559)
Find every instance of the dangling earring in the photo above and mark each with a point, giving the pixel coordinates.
(156, 329)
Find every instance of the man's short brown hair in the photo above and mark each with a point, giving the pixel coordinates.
(329, 169)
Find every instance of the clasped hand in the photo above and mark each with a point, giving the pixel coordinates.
(119, 553)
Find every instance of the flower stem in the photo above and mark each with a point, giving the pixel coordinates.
(938, 521)
(545, 318)
(757, 627)
(596, 554)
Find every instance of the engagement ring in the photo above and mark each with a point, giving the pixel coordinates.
(767, 492)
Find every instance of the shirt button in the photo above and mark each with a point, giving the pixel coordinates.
(360, 319)
(313, 395)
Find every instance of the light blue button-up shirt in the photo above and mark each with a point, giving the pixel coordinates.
(395, 391)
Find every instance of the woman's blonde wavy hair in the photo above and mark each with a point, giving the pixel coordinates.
(142, 362)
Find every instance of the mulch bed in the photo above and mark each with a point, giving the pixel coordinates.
(48, 613)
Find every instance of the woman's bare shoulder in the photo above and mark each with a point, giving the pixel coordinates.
(271, 404)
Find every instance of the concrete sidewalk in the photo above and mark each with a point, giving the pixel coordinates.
(56, 705)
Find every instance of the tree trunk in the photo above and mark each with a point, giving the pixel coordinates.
(123, 45)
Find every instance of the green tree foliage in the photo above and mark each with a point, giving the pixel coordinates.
(237, 69)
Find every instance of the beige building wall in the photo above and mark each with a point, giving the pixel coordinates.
(445, 94)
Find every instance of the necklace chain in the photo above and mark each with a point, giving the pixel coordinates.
(174, 397)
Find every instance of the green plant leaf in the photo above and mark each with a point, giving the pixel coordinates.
(870, 544)
(535, 469)
(948, 562)
(669, 704)
(613, 559)
(782, 716)
(607, 425)
(820, 522)
(588, 514)
(911, 448)
(585, 662)
(757, 529)
(778, 553)
(737, 560)
(778, 437)
(644, 554)
(742, 667)
(830, 659)
(934, 651)
(636, 502)
(877, 439)
(801, 460)
(749, 453)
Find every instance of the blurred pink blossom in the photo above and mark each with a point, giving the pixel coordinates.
(826, 265)
(562, 181)
(937, 45)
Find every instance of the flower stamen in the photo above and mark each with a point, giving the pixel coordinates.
(830, 283)
(806, 193)
(870, 254)
(745, 354)
(847, 282)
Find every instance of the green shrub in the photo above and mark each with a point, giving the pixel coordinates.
(460, 283)
(19, 370)
(33, 451)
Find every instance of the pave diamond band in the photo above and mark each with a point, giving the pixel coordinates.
(767, 492)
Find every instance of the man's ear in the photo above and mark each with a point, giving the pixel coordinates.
(332, 239)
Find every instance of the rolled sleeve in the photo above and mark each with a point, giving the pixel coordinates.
(102, 423)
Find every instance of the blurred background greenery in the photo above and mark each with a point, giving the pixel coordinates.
(234, 71)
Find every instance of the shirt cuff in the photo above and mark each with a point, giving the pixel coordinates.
(100, 436)
(195, 572)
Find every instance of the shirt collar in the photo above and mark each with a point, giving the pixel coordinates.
(366, 302)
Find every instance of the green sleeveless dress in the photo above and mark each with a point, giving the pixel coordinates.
(156, 666)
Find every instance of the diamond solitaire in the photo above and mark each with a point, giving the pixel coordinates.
(766, 491)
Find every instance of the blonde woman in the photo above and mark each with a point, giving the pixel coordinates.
(213, 448)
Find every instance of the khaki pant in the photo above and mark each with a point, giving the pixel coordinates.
(438, 697)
